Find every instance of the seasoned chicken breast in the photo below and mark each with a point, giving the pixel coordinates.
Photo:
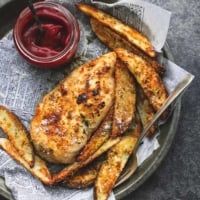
(67, 116)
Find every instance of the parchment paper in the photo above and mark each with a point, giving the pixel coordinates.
(22, 86)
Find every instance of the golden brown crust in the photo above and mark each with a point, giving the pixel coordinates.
(125, 99)
(68, 115)
(100, 136)
(145, 111)
(125, 31)
(147, 77)
(74, 167)
(84, 177)
(17, 134)
(114, 41)
(39, 169)
(112, 167)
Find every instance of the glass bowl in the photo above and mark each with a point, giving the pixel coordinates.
(58, 41)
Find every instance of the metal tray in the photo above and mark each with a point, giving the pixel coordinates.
(166, 137)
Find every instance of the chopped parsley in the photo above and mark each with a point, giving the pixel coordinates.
(84, 120)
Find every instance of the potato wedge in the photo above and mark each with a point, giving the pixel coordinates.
(39, 169)
(145, 111)
(125, 99)
(112, 167)
(131, 34)
(17, 134)
(113, 41)
(147, 77)
(74, 167)
(98, 138)
(84, 177)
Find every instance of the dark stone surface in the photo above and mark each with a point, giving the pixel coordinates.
(178, 176)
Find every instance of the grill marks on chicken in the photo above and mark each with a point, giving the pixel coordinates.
(66, 117)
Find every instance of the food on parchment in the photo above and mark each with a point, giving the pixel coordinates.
(114, 40)
(146, 77)
(98, 111)
(85, 176)
(99, 137)
(39, 169)
(17, 134)
(67, 116)
(117, 158)
(125, 99)
(146, 111)
(129, 33)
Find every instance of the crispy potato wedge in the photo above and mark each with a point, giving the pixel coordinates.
(84, 177)
(112, 167)
(17, 134)
(39, 169)
(74, 167)
(145, 111)
(125, 99)
(147, 77)
(100, 136)
(125, 31)
(113, 41)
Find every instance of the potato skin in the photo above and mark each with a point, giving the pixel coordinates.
(125, 99)
(74, 167)
(39, 170)
(99, 137)
(113, 40)
(85, 177)
(17, 134)
(112, 167)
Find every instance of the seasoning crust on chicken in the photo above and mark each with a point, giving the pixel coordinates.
(67, 116)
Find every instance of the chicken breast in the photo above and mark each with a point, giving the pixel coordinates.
(67, 116)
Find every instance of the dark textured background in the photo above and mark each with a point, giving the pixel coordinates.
(178, 176)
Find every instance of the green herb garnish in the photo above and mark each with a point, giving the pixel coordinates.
(84, 120)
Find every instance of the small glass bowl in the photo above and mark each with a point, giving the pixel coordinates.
(52, 13)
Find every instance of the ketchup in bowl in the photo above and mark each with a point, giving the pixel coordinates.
(56, 44)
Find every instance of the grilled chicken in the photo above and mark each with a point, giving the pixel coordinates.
(67, 116)
(17, 134)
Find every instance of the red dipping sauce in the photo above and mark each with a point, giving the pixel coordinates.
(58, 42)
